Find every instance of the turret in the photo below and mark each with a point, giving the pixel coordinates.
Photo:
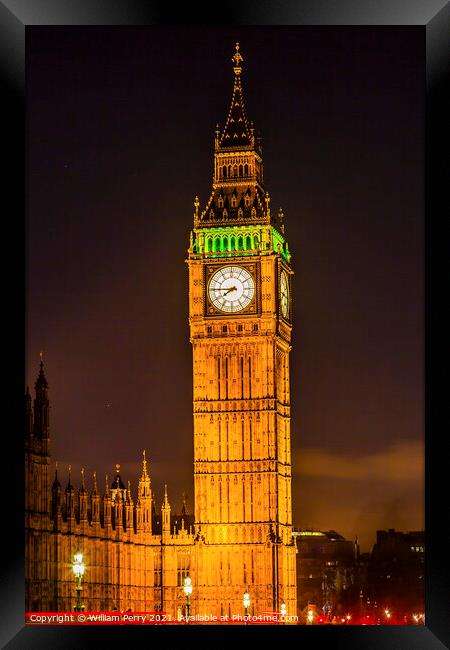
(37, 448)
(144, 500)
(56, 494)
(165, 515)
(70, 496)
(129, 507)
(82, 499)
(41, 420)
(107, 507)
(95, 502)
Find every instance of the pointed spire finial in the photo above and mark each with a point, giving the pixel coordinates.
(166, 498)
(82, 479)
(117, 468)
(106, 484)
(144, 465)
(41, 381)
(237, 58)
(196, 204)
(95, 481)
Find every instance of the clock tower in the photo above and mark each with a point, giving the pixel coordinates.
(240, 316)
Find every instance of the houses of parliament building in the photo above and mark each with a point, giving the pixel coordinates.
(239, 537)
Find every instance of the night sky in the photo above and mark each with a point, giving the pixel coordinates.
(120, 129)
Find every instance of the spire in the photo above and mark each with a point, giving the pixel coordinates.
(41, 418)
(129, 497)
(166, 499)
(56, 483)
(237, 130)
(69, 487)
(41, 380)
(106, 485)
(95, 488)
(144, 465)
(83, 487)
(117, 484)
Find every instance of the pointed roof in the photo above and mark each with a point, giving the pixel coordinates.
(165, 503)
(118, 484)
(144, 466)
(69, 486)
(237, 131)
(41, 381)
(83, 486)
(56, 483)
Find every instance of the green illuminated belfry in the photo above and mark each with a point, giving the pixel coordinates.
(237, 217)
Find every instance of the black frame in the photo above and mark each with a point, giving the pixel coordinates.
(15, 17)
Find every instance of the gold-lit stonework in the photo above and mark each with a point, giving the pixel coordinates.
(239, 540)
(242, 448)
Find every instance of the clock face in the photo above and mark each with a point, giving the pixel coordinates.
(231, 289)
(284, 294)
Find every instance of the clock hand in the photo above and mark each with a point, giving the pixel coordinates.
(231, 289)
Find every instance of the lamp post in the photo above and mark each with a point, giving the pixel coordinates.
(78, 568)
(283, 610)
(187, 592)
(246, 603)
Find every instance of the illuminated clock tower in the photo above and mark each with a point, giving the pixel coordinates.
(240, 316)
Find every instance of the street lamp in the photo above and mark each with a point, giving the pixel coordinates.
(283, 610)
(187, 592)
(246, 602)
(78, 568)
(310, 617)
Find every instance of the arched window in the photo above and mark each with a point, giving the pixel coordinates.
(220, 202)
(216, 245)
(235, 170)
(240, 244)
(229, 170)
(248, 243)
(225, 243)
(245, 170)
(224, 171)
(233, 201)
(240, 213)
(256, 242)
(232, 243)
(240, 170)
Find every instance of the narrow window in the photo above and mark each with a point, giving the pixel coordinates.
(242, 377)
(226, 376)
(218, 375)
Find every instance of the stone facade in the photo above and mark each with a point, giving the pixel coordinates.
(240, 538)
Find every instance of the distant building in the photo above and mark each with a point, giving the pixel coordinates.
(395, 576)
(326, 564)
